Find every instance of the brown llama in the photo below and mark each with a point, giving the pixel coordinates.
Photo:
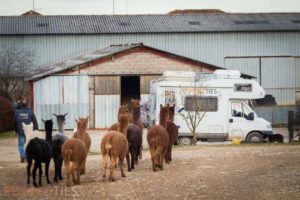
(74, 155)
(114, 146)
(81, 134)
(137, 120)
(132, 133)
(123, 110)
(158, 139)
(172, 131)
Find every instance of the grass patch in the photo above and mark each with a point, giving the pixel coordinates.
(93, 153)
(9, 134)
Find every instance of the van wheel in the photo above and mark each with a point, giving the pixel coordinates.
(184, 141)
(254, 137)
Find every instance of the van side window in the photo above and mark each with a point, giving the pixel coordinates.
(170, 97)
(200, 103)
(239, 110)
(242, 87)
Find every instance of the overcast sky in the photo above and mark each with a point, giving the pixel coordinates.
(100, 7)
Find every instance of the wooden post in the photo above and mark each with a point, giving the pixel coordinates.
(290, 124)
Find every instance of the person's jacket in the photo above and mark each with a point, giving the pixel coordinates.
(24, 115)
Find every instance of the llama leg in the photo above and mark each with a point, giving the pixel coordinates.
(104, 165)
(40, 173)
(132, 153)
(55, 170)
(47, 171)
(29, 162)
(167, 156)
(82, 170)
(128, 162)
(33, 174)
(66, 163)
(112, 167)
(170, 158)
(121, 164)
(152, 159)
(77, 169)
(59, 168)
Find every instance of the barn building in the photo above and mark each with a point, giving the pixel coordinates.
(96, 83)
(263, 45)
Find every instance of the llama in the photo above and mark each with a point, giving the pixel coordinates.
(57, 140)
(114, 146)
(135, 140)
(172, 131)
(132, 133)
(30, 133)
(137, 120)
(74, 154)
(83, 136)
(40, 151)
(122, 111)
(158, 139)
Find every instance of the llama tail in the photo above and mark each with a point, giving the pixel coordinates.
(68, 153)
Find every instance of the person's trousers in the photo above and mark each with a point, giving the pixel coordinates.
(21, 141)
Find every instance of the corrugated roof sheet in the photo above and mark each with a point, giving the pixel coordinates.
(74, 62)
(97, 24)
(98, 54)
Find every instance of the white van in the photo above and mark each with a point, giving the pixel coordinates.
(224, 95)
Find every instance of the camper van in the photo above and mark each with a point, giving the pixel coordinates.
(223, 98)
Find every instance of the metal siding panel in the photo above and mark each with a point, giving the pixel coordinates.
(49, 100)
(248, 66)
(283, 96)
(278, 73)
(106, 109)
(297, 74)
(145, 82)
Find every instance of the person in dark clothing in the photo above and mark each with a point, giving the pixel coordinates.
(23, 114)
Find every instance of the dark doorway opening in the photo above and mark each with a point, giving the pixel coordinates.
(130, 89)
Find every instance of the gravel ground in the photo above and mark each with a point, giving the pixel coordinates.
(265, 171)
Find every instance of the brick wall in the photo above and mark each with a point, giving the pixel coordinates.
(140, 63)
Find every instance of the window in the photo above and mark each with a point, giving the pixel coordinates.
(170, 97)
(200, 103)
(238, 109)
(242, 87)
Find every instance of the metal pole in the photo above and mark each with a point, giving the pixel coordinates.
(113, 7)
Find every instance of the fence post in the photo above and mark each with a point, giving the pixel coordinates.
(290, 124)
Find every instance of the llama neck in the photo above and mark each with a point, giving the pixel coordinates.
(123, 125)
(61, 128)
(163, 120)
(49, 136)
(136, 115)
(171, 118)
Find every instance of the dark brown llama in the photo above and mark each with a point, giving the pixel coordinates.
(172, 131)
(74, 155)
(137, 120)
(114, 146)
(158, 139)
(81, 134)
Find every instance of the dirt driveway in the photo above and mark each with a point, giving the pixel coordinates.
(202, 172)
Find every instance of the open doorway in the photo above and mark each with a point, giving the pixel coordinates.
(130, 89)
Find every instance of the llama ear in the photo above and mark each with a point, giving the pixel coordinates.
(54, 114)
(87, 118)
(23, 124)
(161, 105)
(65, 114)
(43, 120)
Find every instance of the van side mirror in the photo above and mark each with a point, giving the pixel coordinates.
(250, 116)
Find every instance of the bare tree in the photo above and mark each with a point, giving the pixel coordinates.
(196, 104)
(15, 65)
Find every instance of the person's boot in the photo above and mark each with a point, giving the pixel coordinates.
(23, 160)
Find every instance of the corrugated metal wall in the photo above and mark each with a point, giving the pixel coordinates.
(106, 110)
(60, 95)
(207, 47)
(107, 100)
